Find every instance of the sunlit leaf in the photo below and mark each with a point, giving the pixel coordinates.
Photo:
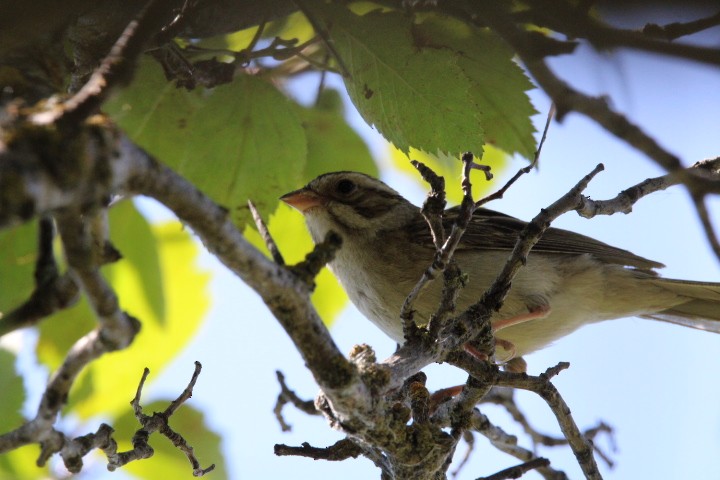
(108, 384)
(288, 229)
(21, 464)
(140, 250)
(451, 169)
(416, 97)
(168, 461)
(498, 84)
(238, 141)
(294, 26)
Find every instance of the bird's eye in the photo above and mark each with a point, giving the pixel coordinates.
(345, 186)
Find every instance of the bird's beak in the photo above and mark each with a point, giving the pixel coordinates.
(302, 199)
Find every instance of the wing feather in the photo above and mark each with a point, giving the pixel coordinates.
(491, 230)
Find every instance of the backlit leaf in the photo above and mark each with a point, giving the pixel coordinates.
(498, 84)
(237, 141)
(108, 384)
(416, 97)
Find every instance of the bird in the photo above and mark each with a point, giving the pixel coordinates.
(569, 280)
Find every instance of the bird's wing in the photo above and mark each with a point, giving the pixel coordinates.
(491, 230)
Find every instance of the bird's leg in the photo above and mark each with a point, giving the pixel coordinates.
(474, 352)
(512, 363)
(534, 313)
(443, 395)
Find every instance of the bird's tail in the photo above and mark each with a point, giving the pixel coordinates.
(701, 310)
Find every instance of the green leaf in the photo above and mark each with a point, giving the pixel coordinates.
(21, 464)
(416, 97)
(18, 251)
(238, 141)
(498, 84)
(13, 393)
(182, 288)
(332, 145)
(168, 461)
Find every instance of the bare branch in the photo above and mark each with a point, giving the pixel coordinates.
(518, 470)
(342, 450)
(625, 200)
(525, 170)
(158, 421)
(505, 398)
(265, 234)
(444, 254)
(288, 396)
(115, 69)
(578, 23)
(508, 443)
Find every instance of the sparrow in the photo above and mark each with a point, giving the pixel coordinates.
(570, 280)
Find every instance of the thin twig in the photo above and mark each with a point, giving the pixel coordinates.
(518, 470)
(322, 32)
(288, 396)
(702, 211)
(52, 291)
(624, 201)
(525, 170)
(432, 210)
(265, 234)
(341, 450)
(508, 444)
(158, 421)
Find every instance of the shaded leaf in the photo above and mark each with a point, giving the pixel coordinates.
(237, 141)
(18, 251)
(13, 393)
